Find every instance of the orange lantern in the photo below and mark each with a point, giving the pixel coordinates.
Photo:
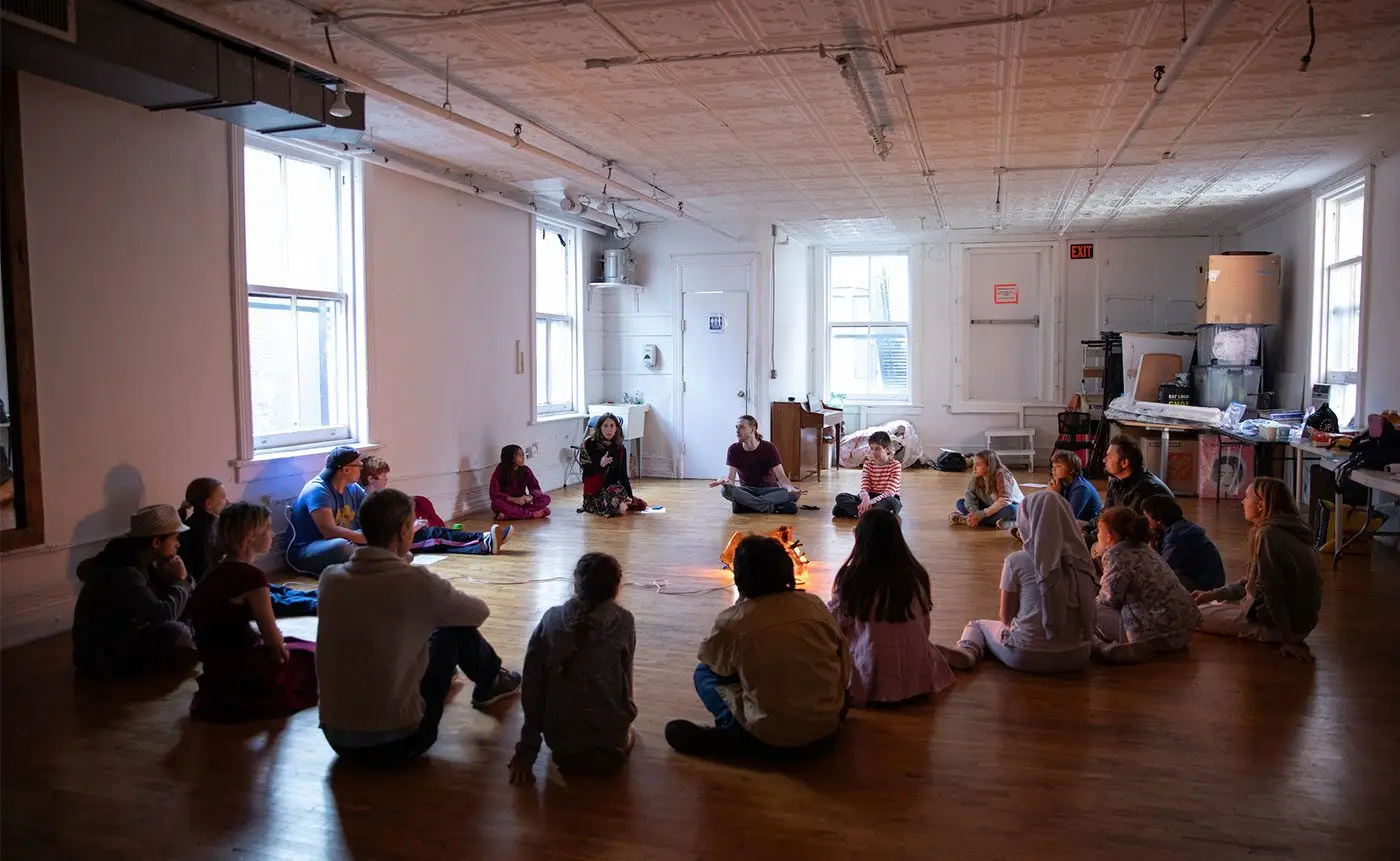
(784, 536)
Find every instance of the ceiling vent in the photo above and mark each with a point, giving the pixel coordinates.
(50, 17)
(145, 57)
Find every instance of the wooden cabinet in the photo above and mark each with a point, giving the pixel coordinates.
(797, 432)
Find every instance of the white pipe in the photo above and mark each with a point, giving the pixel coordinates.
(1203, 28)
(361, 81)
(406, 167)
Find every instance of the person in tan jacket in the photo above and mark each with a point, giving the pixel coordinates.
(774, 670)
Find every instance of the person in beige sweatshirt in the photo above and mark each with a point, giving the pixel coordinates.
(390, 638)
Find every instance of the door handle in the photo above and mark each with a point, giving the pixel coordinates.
(741, 394)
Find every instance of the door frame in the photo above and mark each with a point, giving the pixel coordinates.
(1051, 303)
(750, 261)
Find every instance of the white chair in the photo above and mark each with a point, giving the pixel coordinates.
(1013, 443)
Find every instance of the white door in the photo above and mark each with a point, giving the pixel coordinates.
(714, 377)
(1006, 355)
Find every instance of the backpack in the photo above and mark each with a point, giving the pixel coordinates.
(950, 461)
(1371, 451)
(1323, 420)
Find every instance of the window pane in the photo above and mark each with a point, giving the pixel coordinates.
(1343, 322)
(561, 362)
(265, 218)
(552, 276)
(312, 226)
(889, 288)
(1350, 215)
(850, 288)
(541, 361)
(296, 359)
(870, 361)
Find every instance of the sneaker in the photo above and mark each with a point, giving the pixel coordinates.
(506, 684)
(956, 519)
(689, 737)
(499, 535)
(1007, 525)
(1016, 533)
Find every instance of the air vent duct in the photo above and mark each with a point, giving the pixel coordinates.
(143, 57)
(51, 17)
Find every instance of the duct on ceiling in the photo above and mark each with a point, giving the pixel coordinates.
(144, 57)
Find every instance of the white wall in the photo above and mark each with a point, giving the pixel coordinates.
(791, 337)
(624, 329)
(1382, 359)
(133, 324)
(1120, 265)
(1291, 233)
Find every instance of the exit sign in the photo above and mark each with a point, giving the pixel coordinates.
(1081, 251)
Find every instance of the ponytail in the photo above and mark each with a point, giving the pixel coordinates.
(197, 493)
(1126, 524)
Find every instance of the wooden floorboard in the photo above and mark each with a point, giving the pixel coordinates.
(1230, 751)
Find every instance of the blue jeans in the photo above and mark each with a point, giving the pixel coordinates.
(706, 683)
(763, 500)
(315, 557)
(1006, 514)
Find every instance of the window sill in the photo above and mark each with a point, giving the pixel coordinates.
(320, 449)
(548, 418)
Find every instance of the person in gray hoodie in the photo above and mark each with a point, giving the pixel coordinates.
(577, 689)
(1280, 597)
(126, 621)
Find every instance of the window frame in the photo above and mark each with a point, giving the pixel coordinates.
(826, 327)
(351, 298)
(1328, 204)
(575, 304)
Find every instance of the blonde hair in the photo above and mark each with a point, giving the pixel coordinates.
(237, 524)
(1275, 498)
(986, 485)
(1070, 460)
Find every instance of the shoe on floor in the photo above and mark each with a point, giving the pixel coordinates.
(689, 737)
(809, 508)
(957, 519)
(499, 536)
(1009, 525)
(506, 683)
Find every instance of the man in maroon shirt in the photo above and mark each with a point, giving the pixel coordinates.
(756, 480)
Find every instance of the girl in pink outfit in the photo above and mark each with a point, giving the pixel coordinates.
(881, 601)
(515, 492)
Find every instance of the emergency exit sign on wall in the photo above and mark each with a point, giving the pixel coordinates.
(1081, 251)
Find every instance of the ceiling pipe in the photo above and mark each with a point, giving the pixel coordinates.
(361, 81)
(577, 208)
(965, 25)
(449, 178)
(1207, 23)
(345, 23)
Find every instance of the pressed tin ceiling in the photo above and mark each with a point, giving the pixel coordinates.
(1009, 119)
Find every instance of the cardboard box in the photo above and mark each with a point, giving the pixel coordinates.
(1182, 454)
(1244, 288)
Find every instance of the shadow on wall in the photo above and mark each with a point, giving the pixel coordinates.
(123, 493)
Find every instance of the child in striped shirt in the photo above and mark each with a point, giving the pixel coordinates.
(879, 482)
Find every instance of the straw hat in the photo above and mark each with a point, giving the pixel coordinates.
(154, 521)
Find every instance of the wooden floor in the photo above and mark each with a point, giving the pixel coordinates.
(1230, 752)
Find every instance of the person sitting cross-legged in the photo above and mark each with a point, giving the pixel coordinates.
(126, 621)
(321, 523)
(774, 670)
(756, 482)
(391, 637)
(435, 537)
(879, 482)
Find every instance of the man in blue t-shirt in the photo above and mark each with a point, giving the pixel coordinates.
(322, 525)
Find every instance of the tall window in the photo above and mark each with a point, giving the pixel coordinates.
(557, 286)
(299, 240)
(1337, 345)
(868, 326)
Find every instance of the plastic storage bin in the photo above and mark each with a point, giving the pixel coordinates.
(1220, 385)
(1229, 345)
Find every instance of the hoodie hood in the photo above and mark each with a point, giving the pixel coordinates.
(1291, 525)
(119, 553)
(1186, 532)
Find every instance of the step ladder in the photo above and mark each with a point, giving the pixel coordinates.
(1016, 443)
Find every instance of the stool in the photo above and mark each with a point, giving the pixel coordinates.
(1015, 442)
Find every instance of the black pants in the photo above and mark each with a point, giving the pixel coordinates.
(848, 505)
(448, 648)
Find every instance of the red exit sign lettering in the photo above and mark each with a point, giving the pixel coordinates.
(1084, 251)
